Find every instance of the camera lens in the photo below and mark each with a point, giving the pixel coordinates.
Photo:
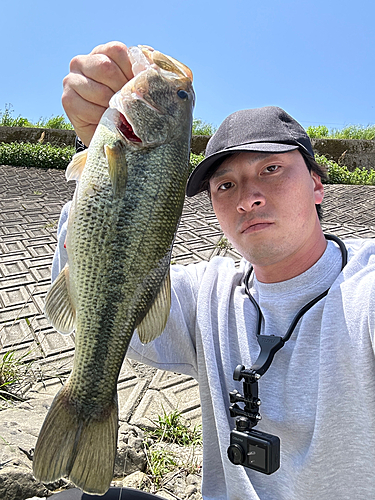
(236, 454)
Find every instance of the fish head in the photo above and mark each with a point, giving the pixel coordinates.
(157, 104)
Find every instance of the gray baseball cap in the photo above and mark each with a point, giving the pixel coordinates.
(269, 130)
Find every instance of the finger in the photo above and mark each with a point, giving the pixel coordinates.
(87, 88)
(101, 69)
(118, 53)
(83, 114)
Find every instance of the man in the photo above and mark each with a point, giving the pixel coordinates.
(318, 396)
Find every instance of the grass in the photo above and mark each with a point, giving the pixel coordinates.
(172, 428)
(348, 132)
(8, 120)
(194, 160)
(13, 371)
(340, 174)
(163, 444)
(223, 243)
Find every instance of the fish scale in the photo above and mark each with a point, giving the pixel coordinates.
(121, 226)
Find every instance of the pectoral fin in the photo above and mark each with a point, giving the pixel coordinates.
(58, 306)
(155, 320)
(117, 166)
(75, 168)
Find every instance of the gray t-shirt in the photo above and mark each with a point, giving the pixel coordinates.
(318, 395)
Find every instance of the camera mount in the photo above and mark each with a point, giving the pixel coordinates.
(253, 449)
(249, 415)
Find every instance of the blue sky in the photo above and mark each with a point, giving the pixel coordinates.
(314, 59)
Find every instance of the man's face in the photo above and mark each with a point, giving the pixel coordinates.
(265, 204)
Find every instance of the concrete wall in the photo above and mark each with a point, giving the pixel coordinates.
(352, 153)
(53, 136)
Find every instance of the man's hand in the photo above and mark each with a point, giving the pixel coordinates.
(92, 81)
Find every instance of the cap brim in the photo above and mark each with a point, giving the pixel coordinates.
(194, 184)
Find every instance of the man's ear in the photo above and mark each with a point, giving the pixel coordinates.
(318, 188)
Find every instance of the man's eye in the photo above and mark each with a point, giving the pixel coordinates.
(272, 168)
(225, 186)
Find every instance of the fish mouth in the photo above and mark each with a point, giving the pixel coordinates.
(126, 129)
(143, 57)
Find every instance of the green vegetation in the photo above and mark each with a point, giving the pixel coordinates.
(203, 128)
(173, 429)
(170, 430)
(58, 122)
(159, 463)
(223, 243)
(7, 120)
(13, 370)
(25, 154)
(337, 174)
(47, 156)
(349, 132)
(194, 160)
(340, 174)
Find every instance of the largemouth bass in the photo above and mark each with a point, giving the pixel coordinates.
(121, 226)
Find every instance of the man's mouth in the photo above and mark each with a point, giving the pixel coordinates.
(254, 226)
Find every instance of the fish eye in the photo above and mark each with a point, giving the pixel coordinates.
(182, 94)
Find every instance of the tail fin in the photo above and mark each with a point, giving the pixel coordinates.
(84, 449)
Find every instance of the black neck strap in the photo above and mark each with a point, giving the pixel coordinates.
(269, 345)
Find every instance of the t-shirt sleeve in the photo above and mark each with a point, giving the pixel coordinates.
(60, 257)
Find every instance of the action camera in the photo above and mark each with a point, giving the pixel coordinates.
(256, 450)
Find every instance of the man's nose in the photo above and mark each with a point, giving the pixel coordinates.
(249, 199)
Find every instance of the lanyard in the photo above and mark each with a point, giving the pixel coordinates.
(265, 358)
(269, 345)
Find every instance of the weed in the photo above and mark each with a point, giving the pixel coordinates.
(13, 370)
(202, 128)
(7, 120)
(160, 462)
(194, 160)
(56, 122)
(164, 445)
(174, 429)
(223, 243)
(317, 132)
(51, 225)
(348, 132)
(25, 154)
(340, 174)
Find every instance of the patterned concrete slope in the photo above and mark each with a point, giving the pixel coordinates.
(30, 203)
